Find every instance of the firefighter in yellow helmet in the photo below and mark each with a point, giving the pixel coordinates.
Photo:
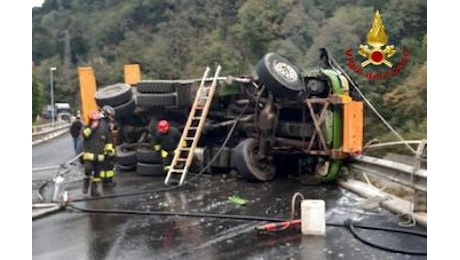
(107, 171)
(95, 138)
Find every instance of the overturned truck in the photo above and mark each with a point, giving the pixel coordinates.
(281, 121)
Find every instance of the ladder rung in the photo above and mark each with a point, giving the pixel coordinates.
(198, 113)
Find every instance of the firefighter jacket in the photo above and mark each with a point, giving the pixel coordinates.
(95, 142)
(109, 147)
(105, 123)
(166, 142)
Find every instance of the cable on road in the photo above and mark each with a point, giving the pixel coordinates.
(347, 224)
(58, 174)
(352, 227)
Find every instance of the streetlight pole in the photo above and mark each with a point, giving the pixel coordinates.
(52, 94)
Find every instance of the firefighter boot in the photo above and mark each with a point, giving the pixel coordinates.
(94, 192)
(85, 185)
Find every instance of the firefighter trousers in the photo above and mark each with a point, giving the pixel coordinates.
(92, 170)
(107, 169)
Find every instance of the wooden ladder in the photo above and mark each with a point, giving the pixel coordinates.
(183, 155)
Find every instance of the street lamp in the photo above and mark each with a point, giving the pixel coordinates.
(52, 93)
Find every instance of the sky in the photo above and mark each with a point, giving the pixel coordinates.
(36, 3)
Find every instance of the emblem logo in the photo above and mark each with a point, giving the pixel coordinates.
(377, 38)
(377, 52)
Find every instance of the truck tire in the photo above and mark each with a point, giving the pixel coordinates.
(279, 75)
(146, 155)
(113, 95)
(123, 167)
(125, 109)
(150, 86)
(185, 97)
(156, 100)
(125, 156)
(248, 166)
(147, 169)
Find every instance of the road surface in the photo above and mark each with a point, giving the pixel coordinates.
(72, 234)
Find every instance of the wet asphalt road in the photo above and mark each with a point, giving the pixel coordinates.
(52, 152)
(72, 234)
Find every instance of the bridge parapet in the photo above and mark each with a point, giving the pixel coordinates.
(47, 131)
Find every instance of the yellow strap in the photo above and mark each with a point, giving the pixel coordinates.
(92, 157)
(87, 132)
(109, 174)
(157, 147)
(166, 168)
(102, 174)
(108, 146)
(88, 156)
(164, 154)
(95, 180)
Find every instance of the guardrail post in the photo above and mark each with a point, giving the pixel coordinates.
(420, 197)
(420, 201)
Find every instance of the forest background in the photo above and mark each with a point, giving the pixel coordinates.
(177, 39)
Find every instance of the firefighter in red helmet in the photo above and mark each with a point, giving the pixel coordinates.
(165, 141)
(95, 139)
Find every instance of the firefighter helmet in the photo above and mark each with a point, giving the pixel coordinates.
(108, 111)
(163, 126)
(94, 115)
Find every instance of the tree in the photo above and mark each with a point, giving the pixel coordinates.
(37, 101)
(259, 22)
(410, 97)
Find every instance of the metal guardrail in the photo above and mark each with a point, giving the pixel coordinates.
(43, 131)
(410, 176)
(36, 129)
(375, 146)
(406, 175)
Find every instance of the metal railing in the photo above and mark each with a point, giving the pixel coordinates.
(403, 174)
(410, 176)
(45, 130)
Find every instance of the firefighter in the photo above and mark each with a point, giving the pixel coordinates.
(107, 171)
(165, 142)
(95, 139)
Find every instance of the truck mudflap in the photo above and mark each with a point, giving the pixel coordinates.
(337, 126)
